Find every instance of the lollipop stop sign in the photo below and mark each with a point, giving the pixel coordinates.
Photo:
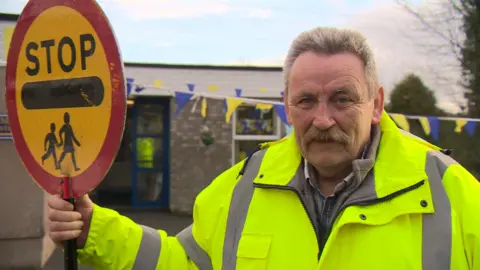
(65, 97)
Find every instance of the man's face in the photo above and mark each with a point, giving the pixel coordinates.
(330, 108)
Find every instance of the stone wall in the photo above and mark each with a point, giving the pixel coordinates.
(194, 165)
(23, 243)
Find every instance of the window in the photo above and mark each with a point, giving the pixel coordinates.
(252, 126)
(251, 121)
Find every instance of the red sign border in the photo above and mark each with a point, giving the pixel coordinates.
(94, 174)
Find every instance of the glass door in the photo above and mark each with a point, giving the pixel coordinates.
(151, 160)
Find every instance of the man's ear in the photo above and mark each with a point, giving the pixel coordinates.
(378, 105)
(287, 108)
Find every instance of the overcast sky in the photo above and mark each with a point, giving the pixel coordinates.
(258, 32)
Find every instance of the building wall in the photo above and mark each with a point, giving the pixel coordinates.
(194, 165)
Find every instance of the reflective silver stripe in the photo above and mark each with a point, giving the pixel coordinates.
(149, 251)
(193, 250)
(437, 227)
(241, 198)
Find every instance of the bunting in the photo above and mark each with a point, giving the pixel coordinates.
(238, 92)
(280, 110)
(401, 121)
(430, 124)
(204, 108)
(470, 127)
(191, 87)
(158, 83)
(434, 127)
(425, 125)
(262, 106)
(460, 123)
(212, 88)
(232, 105)
(181, 99)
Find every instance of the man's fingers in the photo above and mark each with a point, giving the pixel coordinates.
(61, 236)
(64, 216)
(55, 202)
(66, 226)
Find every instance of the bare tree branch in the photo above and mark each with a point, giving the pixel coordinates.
(440, 35)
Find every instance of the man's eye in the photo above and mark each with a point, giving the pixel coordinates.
(305, 100)
(343, 100)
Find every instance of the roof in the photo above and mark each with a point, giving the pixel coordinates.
(202, 66)
(9, 17)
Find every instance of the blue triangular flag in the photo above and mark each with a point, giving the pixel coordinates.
(238, 92)
(470, 127)
(191, 86)
(280, 109)
(181, 99)
(434, 127)
(139, 89)
(129, 85)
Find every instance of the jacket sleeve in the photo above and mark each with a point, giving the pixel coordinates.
(115, 242)
(466, 202)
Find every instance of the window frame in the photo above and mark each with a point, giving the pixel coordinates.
(278, 127)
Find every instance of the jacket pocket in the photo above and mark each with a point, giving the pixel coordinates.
(253, 251)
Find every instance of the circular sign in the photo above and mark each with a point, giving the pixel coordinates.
(65, 95)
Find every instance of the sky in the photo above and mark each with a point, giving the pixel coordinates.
(259, 32)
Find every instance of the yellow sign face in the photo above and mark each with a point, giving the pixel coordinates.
(63, 96)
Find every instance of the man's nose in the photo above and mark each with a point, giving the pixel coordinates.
(323, 119)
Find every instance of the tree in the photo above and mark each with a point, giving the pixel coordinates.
(471, 55)
(451, 30)
(412, 96)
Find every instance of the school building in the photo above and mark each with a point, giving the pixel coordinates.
(163, 162)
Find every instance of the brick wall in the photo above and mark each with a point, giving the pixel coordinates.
(194, 165)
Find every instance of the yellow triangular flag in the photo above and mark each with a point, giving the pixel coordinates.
(401, 121)
(460, 123)
(425, 124)
(263, 89)
(7, 38)
(212, 88)
(158, 83)
(204, 107)
(263, 106)
(232, 105)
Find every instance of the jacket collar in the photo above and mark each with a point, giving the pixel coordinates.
(396, 166)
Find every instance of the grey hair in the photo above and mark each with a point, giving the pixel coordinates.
(328, 40)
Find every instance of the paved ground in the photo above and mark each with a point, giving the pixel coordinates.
(155, 219)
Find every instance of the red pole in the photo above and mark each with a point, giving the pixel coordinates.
(70, 248)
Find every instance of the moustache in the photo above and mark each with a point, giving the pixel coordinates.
(332, 135)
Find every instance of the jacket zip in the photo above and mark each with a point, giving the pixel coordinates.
(321, 242)
(266, 186)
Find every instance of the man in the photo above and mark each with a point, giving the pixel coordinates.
(347, 190)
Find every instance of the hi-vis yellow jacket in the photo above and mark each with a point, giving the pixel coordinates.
(420, 210)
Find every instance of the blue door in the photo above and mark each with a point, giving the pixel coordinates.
(151, 152)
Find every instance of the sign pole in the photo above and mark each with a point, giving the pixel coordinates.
(70, 249)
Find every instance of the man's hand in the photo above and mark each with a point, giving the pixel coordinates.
(65, 224)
